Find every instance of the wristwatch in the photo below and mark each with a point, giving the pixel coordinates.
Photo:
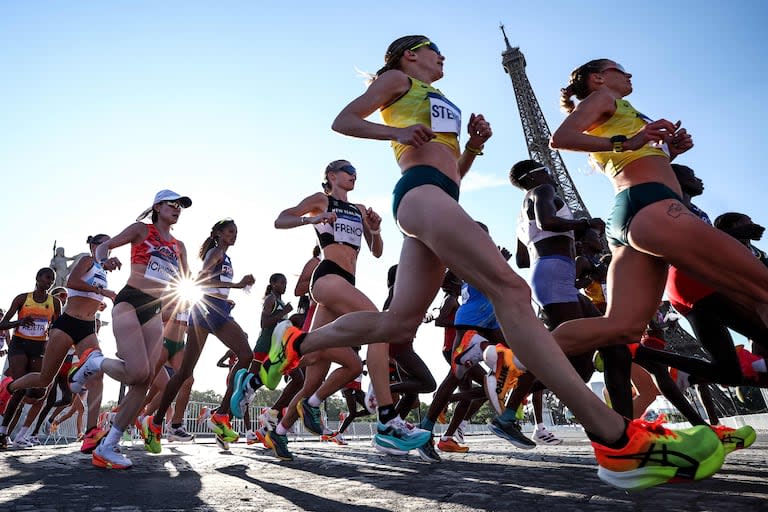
(618, 143)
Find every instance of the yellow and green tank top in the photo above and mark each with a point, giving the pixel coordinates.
(42, 314)
(625, 121)
(423, 104)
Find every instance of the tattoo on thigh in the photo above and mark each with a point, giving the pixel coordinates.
(675, 210)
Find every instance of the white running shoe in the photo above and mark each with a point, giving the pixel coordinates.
(35, 440)
(110, 457)
(204, 416)
(22, 442)
(178, 434)
(251, 437)
(268, 419)
(79, 374)
(370, 399)
(544, 436)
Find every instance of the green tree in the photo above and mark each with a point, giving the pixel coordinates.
(208, 397)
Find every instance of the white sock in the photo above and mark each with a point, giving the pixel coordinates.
(759, 366)
(280, 429)
(540, 426)
(314, 401)
(445, 438)
(114, 436)
(3, 429)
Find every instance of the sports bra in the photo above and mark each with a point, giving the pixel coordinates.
(348, 228)
(96, 276)
(529, 233)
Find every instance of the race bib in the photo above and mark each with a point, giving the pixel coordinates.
(160, 270)
(446, 117)
(37, 330)
(348, 229)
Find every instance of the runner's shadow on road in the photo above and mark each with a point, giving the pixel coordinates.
(304, 500)
(70, 481)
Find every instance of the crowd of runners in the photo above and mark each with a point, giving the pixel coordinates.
(594, 308)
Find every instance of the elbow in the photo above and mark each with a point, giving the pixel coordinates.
(556, 141)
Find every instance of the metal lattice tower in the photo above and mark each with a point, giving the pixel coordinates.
(536, 130)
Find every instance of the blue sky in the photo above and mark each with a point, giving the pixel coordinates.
(231, 103)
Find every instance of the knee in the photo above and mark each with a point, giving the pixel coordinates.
(140, 377)
(429, 384)
(402, 328)
(356, 367)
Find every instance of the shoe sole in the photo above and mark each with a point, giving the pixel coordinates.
(650, 476)
(100, 462)
(519, 444)
(383, 441)
(465, 449)
(174, 439)
(489, 386)
(237, 395)
(221, 443)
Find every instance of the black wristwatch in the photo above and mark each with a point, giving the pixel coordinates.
(618, 143)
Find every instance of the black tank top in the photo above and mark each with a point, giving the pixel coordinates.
(348, 228)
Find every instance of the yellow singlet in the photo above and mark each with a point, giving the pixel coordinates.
(423, 104)
(41, 313)
(625, 121)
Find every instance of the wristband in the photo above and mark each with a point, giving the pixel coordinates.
(376, 231)
(474, 151)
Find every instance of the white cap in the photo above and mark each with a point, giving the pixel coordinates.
(166, 195)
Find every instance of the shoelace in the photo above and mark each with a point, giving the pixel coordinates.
(656, 426)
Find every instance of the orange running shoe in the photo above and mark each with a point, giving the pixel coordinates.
(450, 445)
(467, 354)
(91, 440)
(502, 376)
(655, 455)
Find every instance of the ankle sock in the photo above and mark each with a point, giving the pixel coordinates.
(621, 442)
(113, 437)
(314, 401)
(281, 430)
(509, 414)
(386, 413)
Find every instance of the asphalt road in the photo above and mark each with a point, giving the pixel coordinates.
(324, 477)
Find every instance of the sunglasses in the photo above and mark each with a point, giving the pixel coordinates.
(174, 204)
(537, 169)
(347, 169)
(617, 67)
(429, 44)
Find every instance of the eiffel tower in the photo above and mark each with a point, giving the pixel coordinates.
(537, 135)
(536, 130)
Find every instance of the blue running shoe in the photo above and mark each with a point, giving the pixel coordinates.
(398, 438)
(311, 417)
(242, 393)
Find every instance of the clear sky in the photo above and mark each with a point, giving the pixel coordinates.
(231, 103)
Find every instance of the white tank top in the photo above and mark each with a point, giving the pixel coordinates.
(529, 233)
(96, 276)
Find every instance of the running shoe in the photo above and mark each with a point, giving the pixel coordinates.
(502, 376)
(467, 354)
(21, 442)
(110, 457)
(179, 435)
(3, 441)
(543, 435)
(243, 393)
(396, 438)
(221, 443)
(746, 358)
(138, 422)
(152, 434)
(511, 431)
(268, 419)
(311, 417)
(338, 438)
(279, 445)
(734, 438)
(220, 425)
(204, 416)
(370, 399)
(450, 445)
(655, 455)
(251, 437)
(87, 367)
(283, 356)
(261, 433)
(92, 440)
(460, 430)
(35, 441)
(427, 451)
